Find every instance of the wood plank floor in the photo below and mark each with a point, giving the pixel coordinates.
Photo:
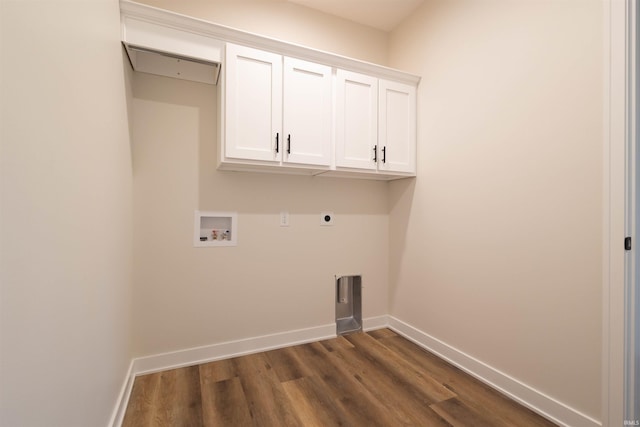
(366, 379)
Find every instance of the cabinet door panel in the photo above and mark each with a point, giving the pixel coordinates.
(356, 120)
(253, 103)
(397, 127)
(307, 112)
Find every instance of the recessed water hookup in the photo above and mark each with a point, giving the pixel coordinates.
(215, 229)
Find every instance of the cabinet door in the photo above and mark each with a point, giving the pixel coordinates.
(253, 116)
(307, 112)
(397, 127)
(356, 120)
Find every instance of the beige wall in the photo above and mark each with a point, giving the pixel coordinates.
(293, 23)
(278, 278)
(496, 246)
(65, 236)
(494, 249)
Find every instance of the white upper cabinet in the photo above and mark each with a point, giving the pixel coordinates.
(283, 107)
(307, 112)
(356, 120)
(277, 109)
(375, 124)
(253, 104)
(397, 127)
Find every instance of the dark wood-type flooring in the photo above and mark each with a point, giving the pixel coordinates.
(366, 379)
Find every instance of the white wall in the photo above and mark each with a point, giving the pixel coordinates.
(496, 247)
(277, 279)
(65, 229)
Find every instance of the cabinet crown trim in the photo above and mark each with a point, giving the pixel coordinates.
(228, 34)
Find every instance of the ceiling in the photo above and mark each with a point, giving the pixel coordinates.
(381, 14)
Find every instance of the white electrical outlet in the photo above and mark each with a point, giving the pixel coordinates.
(284, 219)
(326, 218)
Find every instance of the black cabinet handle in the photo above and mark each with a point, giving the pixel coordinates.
(289, 144)
(375, 153)
(384, 154)
(277, 143)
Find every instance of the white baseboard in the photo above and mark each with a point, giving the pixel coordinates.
(527, 396)
(373, 323)
(209, 353)
(537, 401)
(123, 399)
(226, 350)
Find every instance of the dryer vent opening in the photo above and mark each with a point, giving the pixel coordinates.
(348, 304)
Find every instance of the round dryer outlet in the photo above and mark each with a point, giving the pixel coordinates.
(326, 218)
